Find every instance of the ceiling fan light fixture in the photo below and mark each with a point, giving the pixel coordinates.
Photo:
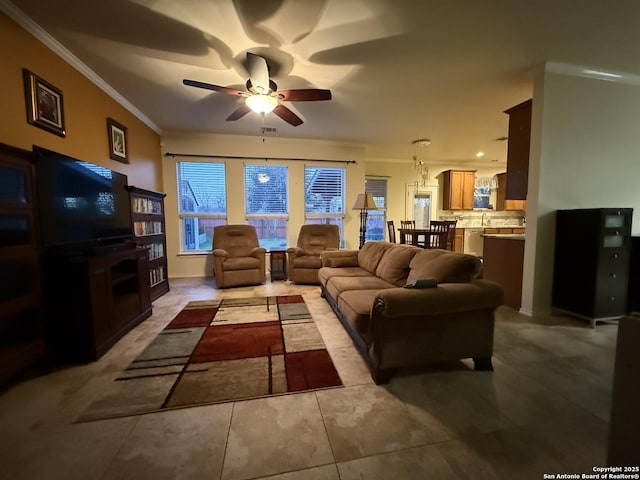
(261, 104)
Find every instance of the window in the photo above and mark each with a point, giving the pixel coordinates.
(376, 219)
(482, 192)
(324, 196)
(422, 209)
(266, 203)
(202, 203)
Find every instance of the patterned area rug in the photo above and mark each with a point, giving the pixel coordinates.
(220, 351)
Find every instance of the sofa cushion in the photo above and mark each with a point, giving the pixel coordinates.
(371, 254)
(314, 239)
(444, 266)
(355, 306)
(394, 265)
(241, 263)
(335, 262)
(326, 273)
(335, 286)
(307, 261)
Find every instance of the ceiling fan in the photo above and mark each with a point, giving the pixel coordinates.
(262, 95)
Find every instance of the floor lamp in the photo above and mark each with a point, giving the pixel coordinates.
(364, 203)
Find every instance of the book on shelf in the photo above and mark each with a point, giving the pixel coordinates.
(156, 275)
(147, 228)
(156, 250)
(146, 205)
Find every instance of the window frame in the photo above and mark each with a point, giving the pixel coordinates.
(182, 216)
(280, 217)
(381, 211)
(333, 218)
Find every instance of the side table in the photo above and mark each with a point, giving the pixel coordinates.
(278, 262)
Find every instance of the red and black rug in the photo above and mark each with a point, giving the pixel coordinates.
(223, 350)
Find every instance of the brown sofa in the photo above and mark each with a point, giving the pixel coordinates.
(399, 327)
(304, 259)
(237, 257)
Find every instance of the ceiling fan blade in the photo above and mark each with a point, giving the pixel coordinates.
(287, 115)
(258, 71)
(216, 88)
(240, 112)
(304, 95)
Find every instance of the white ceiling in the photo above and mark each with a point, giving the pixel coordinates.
(398, 69)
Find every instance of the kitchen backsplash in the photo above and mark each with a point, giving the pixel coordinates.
(484, 218)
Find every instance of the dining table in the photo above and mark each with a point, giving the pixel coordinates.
(423, 237)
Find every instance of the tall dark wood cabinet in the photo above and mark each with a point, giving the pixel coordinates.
(94, 300)
(22, 328)
(147, 215)
(518, 150)
(633, 294)
(591, 265)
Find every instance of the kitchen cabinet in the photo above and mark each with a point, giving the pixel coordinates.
(591, 266)
(502, 262)
(501, 196)
(457, 189)
(504, 230)
(458, 240)
(518, 150)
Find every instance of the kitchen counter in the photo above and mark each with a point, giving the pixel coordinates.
(505, 236)
(502, 263)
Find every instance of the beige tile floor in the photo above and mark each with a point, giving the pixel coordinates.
(544, 409)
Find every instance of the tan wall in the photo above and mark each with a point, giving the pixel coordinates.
(197, 265)
(584, 154)
(86, 108)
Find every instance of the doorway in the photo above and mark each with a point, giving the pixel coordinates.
(421, 204)
(421, 209)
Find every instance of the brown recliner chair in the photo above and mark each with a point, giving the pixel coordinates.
(304, 260)
(237, 257)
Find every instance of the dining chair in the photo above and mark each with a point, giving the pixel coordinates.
(436, 240)
(408, 225)
(443, 226)
(392, 231)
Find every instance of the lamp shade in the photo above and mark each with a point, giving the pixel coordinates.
(364, 202)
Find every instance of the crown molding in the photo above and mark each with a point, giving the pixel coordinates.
(37, 31)
(592, 72)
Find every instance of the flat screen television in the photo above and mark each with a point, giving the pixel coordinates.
(80, 204)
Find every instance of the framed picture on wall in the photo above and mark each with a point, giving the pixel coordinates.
(44, 104)
(118, 148)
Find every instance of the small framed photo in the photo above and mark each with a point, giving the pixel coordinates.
(44, 104)
(117, 141)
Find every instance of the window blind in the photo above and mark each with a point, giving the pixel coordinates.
(377, 187)
(324, 190)
(201, 187)
(266, 190)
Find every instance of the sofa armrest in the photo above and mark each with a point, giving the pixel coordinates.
(295, 251)
(219, 252)
(258, 252)
(445, 298)
(326, 255)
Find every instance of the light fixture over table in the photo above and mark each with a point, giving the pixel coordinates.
(418, 161)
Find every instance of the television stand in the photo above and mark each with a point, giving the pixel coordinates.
(107, 248)
(94, 300)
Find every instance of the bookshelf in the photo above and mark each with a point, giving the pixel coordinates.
(147, 215)
(22, 323)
